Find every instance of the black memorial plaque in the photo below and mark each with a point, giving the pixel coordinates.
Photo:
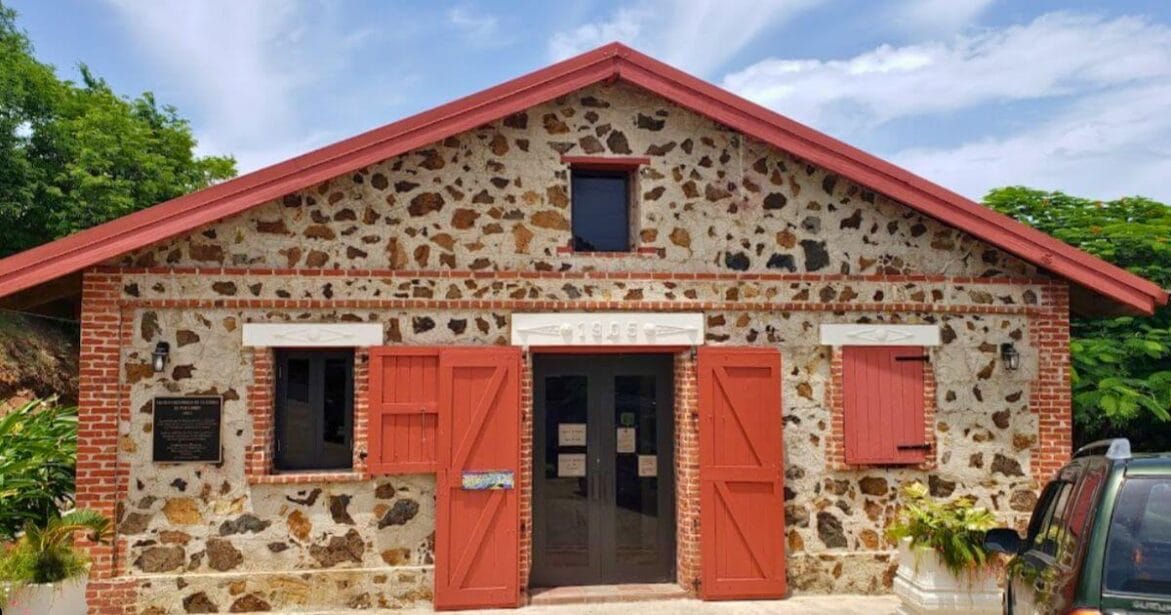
(187, 429)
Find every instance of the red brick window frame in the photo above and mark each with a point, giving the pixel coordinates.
(631, 166)
(836, 446)
(261, 403)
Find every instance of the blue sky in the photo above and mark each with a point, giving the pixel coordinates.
(970, 93)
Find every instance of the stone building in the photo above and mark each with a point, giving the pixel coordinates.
(602, 323)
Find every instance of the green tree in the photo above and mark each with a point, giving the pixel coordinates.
(1122, 366)
(75, 155)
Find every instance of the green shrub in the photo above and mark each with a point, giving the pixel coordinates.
(38, 452)
(954, 529)
(45, 553)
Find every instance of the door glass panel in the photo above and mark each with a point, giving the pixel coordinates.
(567, 527)
(636, 483)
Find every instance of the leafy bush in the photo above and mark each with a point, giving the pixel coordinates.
(954, 529)
(38, 452)
(1121, 365)
(45, 554)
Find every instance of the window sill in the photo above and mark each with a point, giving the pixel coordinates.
(296, 478)
(648, 252)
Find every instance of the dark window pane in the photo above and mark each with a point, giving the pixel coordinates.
(336, 409)
(314, 407)
(297, 380)
(601, 212)
(1138, 548)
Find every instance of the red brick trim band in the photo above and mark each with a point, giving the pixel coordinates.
(100, 402)
(1050, 395)
(601, 275)
(687, 537)
(551, 305)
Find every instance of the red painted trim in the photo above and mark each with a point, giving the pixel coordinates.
(606, 163)
(607, 349)
(613, 61)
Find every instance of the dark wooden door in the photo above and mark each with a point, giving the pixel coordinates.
(740, 462)
(603, 490)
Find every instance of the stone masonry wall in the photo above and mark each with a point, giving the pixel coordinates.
(443, 245)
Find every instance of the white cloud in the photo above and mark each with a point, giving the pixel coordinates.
(247, 65)
(479, 29)
(1055, 55)
(697, 35)
(1101, 87)
(1105, 145)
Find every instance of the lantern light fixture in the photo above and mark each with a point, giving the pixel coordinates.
(1010, 356)
(159, 356)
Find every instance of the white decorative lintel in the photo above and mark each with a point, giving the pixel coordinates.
(317, 335)
(880, 335)
(607, 329)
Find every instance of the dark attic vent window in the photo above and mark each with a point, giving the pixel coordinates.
(601, 211)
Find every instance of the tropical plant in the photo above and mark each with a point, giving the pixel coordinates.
(45, 553)
(1121, 365)
(38, 451)
(954, 529)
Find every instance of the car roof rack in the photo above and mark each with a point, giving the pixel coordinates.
(1116, 448)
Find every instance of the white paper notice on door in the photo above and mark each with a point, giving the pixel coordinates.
(571, 465)
(648, 466)
(626, 439)
(571, 434)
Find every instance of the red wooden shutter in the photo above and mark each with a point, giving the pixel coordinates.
(402, 419)
(740, 463)
(883, 399)
(476, 535)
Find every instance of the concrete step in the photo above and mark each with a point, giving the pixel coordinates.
(592, 594)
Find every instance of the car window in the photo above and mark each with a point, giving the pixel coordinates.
(1083, 505)
(1138, 546)
(1048, 533)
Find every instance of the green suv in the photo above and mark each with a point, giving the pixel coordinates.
(1099, 540)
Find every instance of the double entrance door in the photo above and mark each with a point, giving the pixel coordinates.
(603, 488)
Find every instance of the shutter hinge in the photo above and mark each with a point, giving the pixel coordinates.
(924, 358)
(914, 447)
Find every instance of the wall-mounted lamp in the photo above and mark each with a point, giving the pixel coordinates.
(159, 356)
(1010, 356)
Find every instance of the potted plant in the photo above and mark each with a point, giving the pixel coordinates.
(943, 566)
(42, 573)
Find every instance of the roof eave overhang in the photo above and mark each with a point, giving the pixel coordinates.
(1128, 293)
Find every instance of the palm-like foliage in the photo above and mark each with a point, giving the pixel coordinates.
(38, 452)
(954, 529)
(45, 553)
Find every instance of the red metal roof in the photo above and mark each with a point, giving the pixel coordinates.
(613, 61)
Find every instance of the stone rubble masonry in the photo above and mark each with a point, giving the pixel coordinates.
(441, 246)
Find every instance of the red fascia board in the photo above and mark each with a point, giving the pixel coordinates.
(189, 212)
(606, 163)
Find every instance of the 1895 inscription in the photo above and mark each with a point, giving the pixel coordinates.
(187, 429)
